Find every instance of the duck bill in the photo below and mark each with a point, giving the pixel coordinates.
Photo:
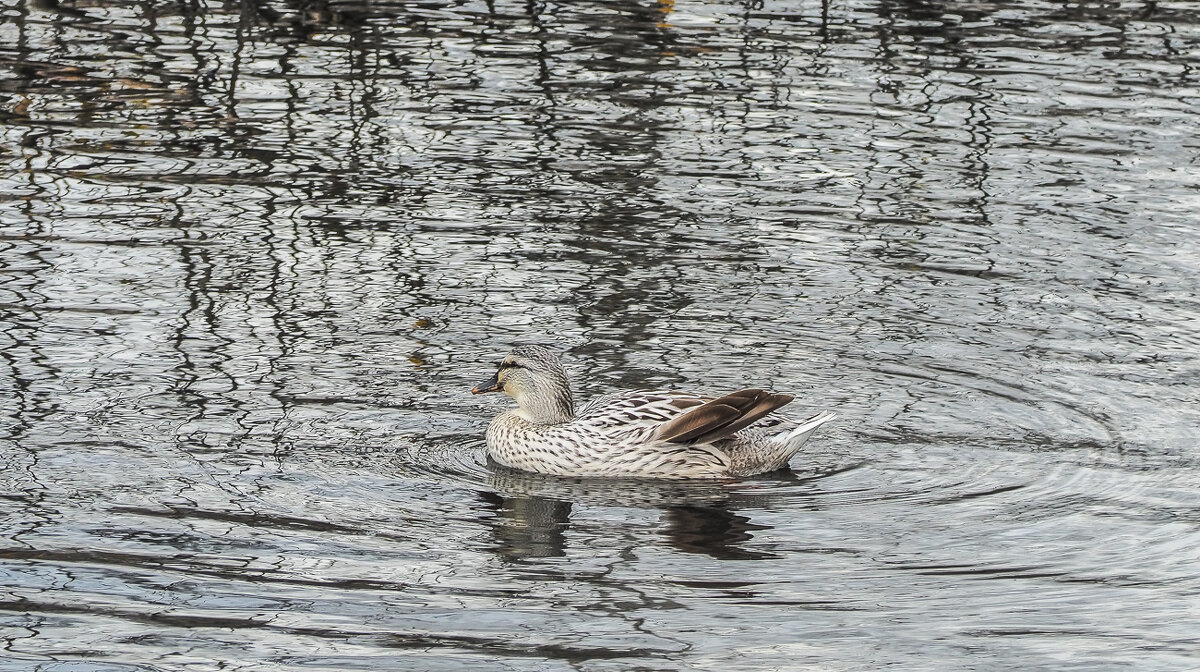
(492, 385)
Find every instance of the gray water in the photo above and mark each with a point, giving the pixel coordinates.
(253, 256)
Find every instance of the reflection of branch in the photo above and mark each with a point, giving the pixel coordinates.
(236, 65)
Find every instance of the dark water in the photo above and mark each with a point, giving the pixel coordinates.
(252, 257)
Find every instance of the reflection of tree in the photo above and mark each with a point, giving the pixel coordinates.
(30, 372)
(350, 127)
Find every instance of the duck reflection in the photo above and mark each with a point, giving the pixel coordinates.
(715, 531)
(533, 513)
(528, 527)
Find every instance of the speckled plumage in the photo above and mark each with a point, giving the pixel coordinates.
(656, 434)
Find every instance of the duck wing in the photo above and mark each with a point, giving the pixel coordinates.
(639, 408)
(679, 417)
(721, 417)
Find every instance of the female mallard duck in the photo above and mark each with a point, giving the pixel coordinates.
(655, 434)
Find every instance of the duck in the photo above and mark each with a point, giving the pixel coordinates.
(635, 434)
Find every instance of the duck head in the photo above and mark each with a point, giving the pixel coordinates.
(535, 378)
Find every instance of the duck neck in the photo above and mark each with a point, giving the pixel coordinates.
(551, 407)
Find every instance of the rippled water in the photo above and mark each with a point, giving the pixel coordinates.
(252, 257)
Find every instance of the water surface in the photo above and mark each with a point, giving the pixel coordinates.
(253, 256)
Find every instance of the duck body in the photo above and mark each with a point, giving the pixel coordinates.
(614, 436)
(655, 434)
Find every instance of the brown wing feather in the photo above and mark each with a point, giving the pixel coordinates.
(720, 417)
(769, 402)
(695, 422)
